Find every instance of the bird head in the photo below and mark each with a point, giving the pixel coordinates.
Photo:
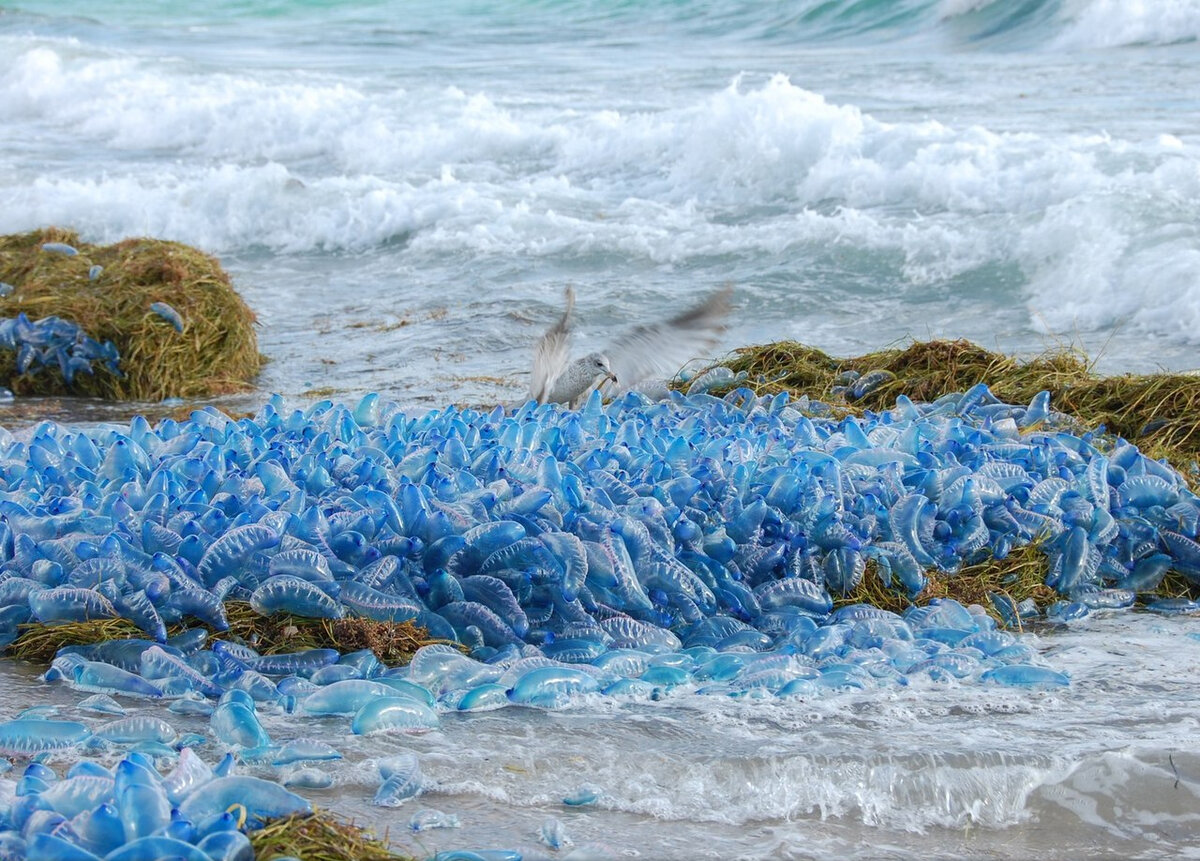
(597, 363)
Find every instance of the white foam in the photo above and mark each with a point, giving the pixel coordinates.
(221, 208)
(1102, 228)
(1096, 261)
(129, 104)
(1113, 23)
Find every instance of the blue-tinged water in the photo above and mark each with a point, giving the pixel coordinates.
(403, 189)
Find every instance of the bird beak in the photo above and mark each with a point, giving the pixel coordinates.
(613, 377)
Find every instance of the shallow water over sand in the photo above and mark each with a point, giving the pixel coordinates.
(1104, 769)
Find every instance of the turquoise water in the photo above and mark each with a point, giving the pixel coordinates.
(402, 189)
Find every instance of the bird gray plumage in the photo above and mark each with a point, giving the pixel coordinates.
(651, 349)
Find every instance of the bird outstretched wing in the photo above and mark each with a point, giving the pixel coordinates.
(661, 349)
(550, 356)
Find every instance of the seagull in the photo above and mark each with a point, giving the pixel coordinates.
(653, 348)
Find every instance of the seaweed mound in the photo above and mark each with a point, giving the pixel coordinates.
(320, 837)
(1157, 411)
(180, 328)
(393, 643)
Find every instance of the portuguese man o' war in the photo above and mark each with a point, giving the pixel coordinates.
(554, 834)
(258, 799)
(387, 713)
(426, 819)
(28, 736)
(401, 780)
(55, 343)
(132, 811)
(60, 248)
(166, 312)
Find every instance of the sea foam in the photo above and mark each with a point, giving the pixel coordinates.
(760, 167)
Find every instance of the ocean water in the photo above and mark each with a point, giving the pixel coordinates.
(402, 190)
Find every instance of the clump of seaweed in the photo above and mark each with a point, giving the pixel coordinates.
(392, 642)
(319, 836)
(871, 590)
(1175, 585)
(108, 291)
(1155, 411)
(1019, 576)
(39, 643)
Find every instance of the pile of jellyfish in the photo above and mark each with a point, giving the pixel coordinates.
(56, 344)
(161, 799)
(697, 520)
(131, 811)
(635, 549)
